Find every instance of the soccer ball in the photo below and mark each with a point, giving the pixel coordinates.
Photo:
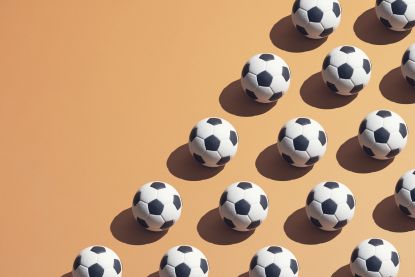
(302, 142)
(408, 65)
(97, 261)
(375, 257)
(213, 142)
(184, 261)
(405, 193)
(157, 206)
(397, 15)
(243, 206)
(346, 70)
(316, 18)
(265, 78)
(383, 134)
(330, 206)
(273, 261)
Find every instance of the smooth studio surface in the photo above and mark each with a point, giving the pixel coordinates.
(99, 97)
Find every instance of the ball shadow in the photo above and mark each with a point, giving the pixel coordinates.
(369, 29)
(235, 101)
(246, 274)
(270, 165)
(315, 93)
(344, 271)
(154, 274)
(212, 229)
(68, 274)
(284, 36)
(351, 157)
(182, 165)
(125, 229)
(388, 216)
(298, 228)
(395, 88)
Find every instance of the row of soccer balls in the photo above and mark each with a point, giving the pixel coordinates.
(372, 257)
(302, 141)
(346, 71)
(317, 19)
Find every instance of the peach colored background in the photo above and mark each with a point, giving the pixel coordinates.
(98, 97)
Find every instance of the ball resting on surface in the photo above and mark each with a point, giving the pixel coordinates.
(273, 261)
(396, 15)
(408, 65)
(405, 193)
(97, 261)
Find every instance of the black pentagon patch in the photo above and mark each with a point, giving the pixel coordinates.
(263, 201)
(264, 79)
(301, 143)
(303, 121)
(233, 137)
(322, 137)
(403, 130)
(223, 160)
(254, 262)
(385, 22)
(223, 198)
(409, 25)
(382, 135)
(336, 9)
(413, 195)
(167, 225)
(229, 222)
(326, 62)
(294, 266)
(95, 270)
(315, 222)
(275, 97)
(347, 49)
(272, 270)
(281, 134)
(356, 89)
(204, 265)
(251, 94)
(310, 198)
(244, 185)
(98, 249)
(405, 57)
(185, 249)
(329, 206)
(287, 158)
(332, 87)
(214, 121)
(368, 151)
(399, 185)
(312, 160)
(362, 126)
(158, 185)
(245, 70)
(375, 242)
(136, 198)
(355, 254)
(163, 261)
(378, 2)
(384, 113)
(301, 30)
(198, 158)
(212, 143)
(182, 270)
(274, 249)
(345, 71)
(350, 201)
(155, 207)
(393, 153)
(373, 264)
(315, 14)
(254, 224)
(77, 262)
(366, 66)
(410, 81)
(395, 258)
(242, 207)
(193, 134)
(405, 210)
(177, 202)
(266, 57)
(117, 266)
(285, 73)
(399, 7)
(340, 224)
(296, 6)
(331, 185)
(326, 32)
(142, 222)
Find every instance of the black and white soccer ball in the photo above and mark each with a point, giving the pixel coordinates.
(346, 70)
(273, 261)
(405, 193)
(316, 19)
(97, 261)
(330, 206)
(265, 77)
(302, 142)
(375, 258)
(213, 142)
(408, 65)
(157, 206)
(184, 261)
(383, 134)
(396, 15)
(243, 206)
